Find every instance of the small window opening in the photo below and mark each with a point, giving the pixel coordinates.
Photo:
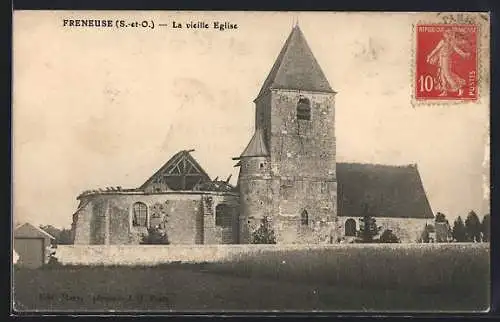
(304, 109)
(304, 218)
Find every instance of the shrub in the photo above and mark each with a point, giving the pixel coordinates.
(425, 237)
(53, 261)
(388, 237)
(264, 234)
(155, 236)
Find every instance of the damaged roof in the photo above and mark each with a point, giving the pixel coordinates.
(181, 172)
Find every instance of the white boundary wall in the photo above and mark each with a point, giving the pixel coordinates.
(138, 255)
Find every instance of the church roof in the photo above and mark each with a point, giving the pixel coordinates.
(386, 191)
(296, 68)
(181, 172)
(256, 147)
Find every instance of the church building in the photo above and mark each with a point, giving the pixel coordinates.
(288, 174)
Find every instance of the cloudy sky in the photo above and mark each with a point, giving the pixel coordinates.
(100, 107)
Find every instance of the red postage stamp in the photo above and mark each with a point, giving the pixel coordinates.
(446, 62)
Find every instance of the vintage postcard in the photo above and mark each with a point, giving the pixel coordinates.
(250, 161)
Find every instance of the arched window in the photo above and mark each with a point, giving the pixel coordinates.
(350, 227)
(304, 218)
(140, 215)
(304, 109)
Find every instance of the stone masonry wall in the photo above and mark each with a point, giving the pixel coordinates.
(98, 221)
(408, 230)
(108, 219)
(255, 195)
(301, 148)
(81, 225)
(303, 167)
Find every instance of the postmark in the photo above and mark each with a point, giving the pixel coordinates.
(446, 63)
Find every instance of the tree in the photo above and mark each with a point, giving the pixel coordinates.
(485, 228)
(65, 237)
(388, 237)
(473, 227)
(51, 230)
(442, 227)
(440, 217)
(62, 236)
(264, 234)
(368, 229)
(459, 233)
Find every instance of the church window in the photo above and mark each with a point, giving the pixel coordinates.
(140, 215)
(304, 109)
(304, 218)
(223, 216)
(350, 227)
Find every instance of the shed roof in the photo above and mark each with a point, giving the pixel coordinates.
(28, 230)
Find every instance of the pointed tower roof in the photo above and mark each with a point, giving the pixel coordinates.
(256, 147)
(296, 68)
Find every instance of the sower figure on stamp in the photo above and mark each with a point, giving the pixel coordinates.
(441, 55)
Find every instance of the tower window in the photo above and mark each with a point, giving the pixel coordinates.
(304, 218)
(324, 187)
(304, 109)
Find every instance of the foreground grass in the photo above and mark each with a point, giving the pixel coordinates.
(452, 267)
(454, 278)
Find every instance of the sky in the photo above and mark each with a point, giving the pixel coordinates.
(98, 107)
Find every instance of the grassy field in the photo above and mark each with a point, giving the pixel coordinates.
(373, 278)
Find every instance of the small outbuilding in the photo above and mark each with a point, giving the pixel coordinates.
(32, 244)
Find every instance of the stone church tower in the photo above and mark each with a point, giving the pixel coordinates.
(288, 170)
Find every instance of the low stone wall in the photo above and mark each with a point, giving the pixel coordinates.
(154, 254)
(136, 255)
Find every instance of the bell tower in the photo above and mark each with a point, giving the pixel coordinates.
(295, 117)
